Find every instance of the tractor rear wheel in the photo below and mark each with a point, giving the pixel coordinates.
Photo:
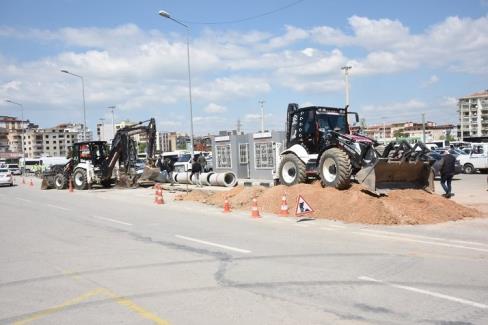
(60, 181)
(335, 169)
(80, 179)
(291, 170)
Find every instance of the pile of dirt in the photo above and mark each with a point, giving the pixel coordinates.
(353, 205)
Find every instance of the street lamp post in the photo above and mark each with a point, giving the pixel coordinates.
(262, 115)
(112, 109)
(165, 14)
(346, 79)
(83, 95)
(21, 123)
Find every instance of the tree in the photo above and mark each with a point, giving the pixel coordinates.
(400, 134)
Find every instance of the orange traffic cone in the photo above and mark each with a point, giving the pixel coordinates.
(226, 205)
(70, 185)
(284, 207)
(159, 197)
(31, 183)
(254, 208)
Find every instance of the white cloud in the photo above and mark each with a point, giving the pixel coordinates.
(432, 80)
(215, 108)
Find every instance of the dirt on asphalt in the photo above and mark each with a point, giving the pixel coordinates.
(353, 205)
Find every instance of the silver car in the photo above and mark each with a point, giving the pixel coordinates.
(14, 169)
(6, 177)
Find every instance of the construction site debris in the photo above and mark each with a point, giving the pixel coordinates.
(353, 205)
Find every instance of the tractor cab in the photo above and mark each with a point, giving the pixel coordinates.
(94, 152)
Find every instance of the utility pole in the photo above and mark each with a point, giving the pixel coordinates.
(423, 127)
(262, 115)
(346, 80)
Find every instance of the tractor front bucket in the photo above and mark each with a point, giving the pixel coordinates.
(47, 181)
(385, 175)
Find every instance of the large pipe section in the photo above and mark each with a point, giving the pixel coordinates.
(227, 179)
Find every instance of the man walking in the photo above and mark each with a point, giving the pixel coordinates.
(448, 171)
(196, 169)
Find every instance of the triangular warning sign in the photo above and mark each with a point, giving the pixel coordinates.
(302, 206)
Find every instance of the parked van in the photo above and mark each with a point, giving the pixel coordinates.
(476, 160)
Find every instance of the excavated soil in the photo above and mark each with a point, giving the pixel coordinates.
(353, 205)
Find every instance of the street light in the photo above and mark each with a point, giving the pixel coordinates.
(83, 94)
(262, 114)
(346, 79)
(165, 14)
(22, 123)
(112, 108)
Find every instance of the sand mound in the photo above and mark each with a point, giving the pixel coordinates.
(352, 205)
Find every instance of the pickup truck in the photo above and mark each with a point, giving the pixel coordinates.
(476, 160)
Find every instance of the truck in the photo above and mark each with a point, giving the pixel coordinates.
(95, 163)
(319, 144)
(477, 159)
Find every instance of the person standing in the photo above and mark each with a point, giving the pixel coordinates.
(196, 169)
(448, 170)
(203, 162)
(170, 167)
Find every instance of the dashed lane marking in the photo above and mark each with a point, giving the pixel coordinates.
(214, 244)
(22, 199)
(426, 292)
(113, 220)
(57, 207)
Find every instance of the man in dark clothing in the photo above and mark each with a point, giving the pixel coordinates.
(169, 166)
(448, 170)
(196, 169)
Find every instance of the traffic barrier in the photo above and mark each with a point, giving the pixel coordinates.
(159, 197)
(284, 207)
(254, 208)
(226, 205)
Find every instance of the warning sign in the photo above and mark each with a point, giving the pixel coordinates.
(302, 206)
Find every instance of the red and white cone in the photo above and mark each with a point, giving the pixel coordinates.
(70, 185)
(284, 207)
(159, 197)
(226, 205)
(31, 183)
(254, 208)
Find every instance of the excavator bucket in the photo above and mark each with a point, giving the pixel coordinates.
(149, 176)
(385, 175)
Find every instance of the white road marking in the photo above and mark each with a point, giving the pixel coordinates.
(328, 228)
(336, 226)
(22, 199)
(214, 244)
(426, 292)
(394, 233)
(363, 233)
(113, 220)
(57, 207)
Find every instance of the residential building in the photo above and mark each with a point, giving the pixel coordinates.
(11, 136)
(49, 142)
(473, 117)
(168, 141)
(410, 131)
(78, 129)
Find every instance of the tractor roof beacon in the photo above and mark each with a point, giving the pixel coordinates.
(319, 144)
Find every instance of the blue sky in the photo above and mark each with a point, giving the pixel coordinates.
(407, 58)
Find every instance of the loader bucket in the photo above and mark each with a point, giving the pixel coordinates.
(47, 182)
(148, 177)
(386, 175)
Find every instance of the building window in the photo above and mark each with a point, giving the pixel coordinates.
(47, 142)
(54, 148)
(243, 153)
(264, 155)
(47, 148)
(223, 158)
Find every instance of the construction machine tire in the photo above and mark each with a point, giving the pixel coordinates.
(335, 169)
(80, 180)
(60, 181)
(291, 170)
(107, 183)
(468, 169)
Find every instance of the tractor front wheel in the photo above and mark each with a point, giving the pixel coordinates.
(291, 170)
(335, 169)
(80, 179)
(60, 181)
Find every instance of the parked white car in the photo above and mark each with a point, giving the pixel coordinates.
(476, 160)
(14, 169)
(6, 177)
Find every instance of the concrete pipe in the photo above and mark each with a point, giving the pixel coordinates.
(227, 179)
(205, 178)
(183, 178)
(213, 179)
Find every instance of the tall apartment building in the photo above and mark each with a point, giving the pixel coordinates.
(78, 128)
(49, 142)
(473, 116)
(411, 131)
(11, 130)
(168, 141)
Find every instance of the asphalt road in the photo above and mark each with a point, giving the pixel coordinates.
(112, 256)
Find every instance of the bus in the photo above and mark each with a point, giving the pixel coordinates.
(30, 165)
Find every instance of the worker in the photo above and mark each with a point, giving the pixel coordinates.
(203, 162)
(196, 169)
(448, 170)
(169, 167)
